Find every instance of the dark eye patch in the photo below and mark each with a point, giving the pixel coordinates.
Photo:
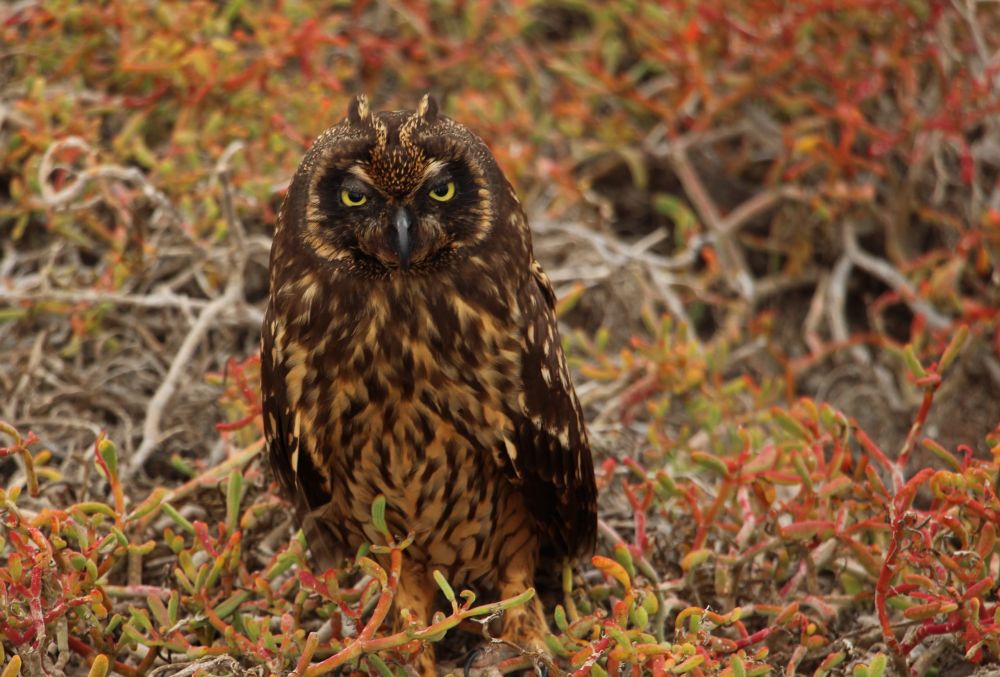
(454, 171)
(439, 184)
(352, 184)
(334, 183)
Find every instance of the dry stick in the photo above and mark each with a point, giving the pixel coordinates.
(210, 310)
(889, 274)
(967, 10)
(160, 399)
(662, 279)
(158, 300)
(810, 326)
(730, 255)
(760, 203)
(62, 646)
(608, 393)
(779, 283)
(57, 198)
(722, 227)
(616, 250)
(836, 302)
(9, 259)
(657, 145)
(232, 296)
(618, 254)
(226, 665)
(248, 314)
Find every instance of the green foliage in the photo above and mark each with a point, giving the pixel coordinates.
(64, 575)
(144, 150)
(795, 518)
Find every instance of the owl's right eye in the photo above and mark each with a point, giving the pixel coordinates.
(352, 198)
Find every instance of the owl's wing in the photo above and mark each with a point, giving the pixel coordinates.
(292, 465)
(553, 460)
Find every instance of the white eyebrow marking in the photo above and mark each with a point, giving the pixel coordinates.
(359, 171)
(433, 167)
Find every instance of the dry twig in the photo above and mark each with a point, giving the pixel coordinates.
(231, 297)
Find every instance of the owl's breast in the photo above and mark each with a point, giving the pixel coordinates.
(409, 398)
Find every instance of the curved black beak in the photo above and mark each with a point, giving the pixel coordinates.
(403, 223)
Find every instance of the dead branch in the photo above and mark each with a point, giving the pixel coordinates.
(231, 297)
(891, 276)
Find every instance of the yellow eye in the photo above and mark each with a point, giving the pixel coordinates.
(443, 192)
(352, 198)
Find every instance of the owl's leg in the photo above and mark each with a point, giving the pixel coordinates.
(416, 592)
(523, 628)
(523, 625)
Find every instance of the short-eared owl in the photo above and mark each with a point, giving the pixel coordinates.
(410, 349)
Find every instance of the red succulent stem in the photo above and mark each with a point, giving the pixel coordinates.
(884, 579)
(595, 653)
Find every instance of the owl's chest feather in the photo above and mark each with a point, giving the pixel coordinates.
(414, 392)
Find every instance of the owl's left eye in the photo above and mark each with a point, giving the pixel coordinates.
(443, 191)
(352, 198)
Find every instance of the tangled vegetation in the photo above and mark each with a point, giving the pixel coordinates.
(774, 229)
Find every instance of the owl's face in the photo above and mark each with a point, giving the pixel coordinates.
(396, 192)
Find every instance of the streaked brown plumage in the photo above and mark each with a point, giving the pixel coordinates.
(410, 349)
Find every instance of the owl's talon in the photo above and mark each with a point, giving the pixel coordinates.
(490, 660)
(470, 660)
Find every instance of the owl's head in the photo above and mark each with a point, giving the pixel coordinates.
(395, 192)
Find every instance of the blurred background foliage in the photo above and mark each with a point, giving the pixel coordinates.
(805, 188)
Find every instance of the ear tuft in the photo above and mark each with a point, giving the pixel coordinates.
(358, 111)
(427, 110)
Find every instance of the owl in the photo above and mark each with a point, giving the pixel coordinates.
(410, 350)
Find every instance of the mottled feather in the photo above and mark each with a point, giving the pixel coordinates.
(426, 368)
